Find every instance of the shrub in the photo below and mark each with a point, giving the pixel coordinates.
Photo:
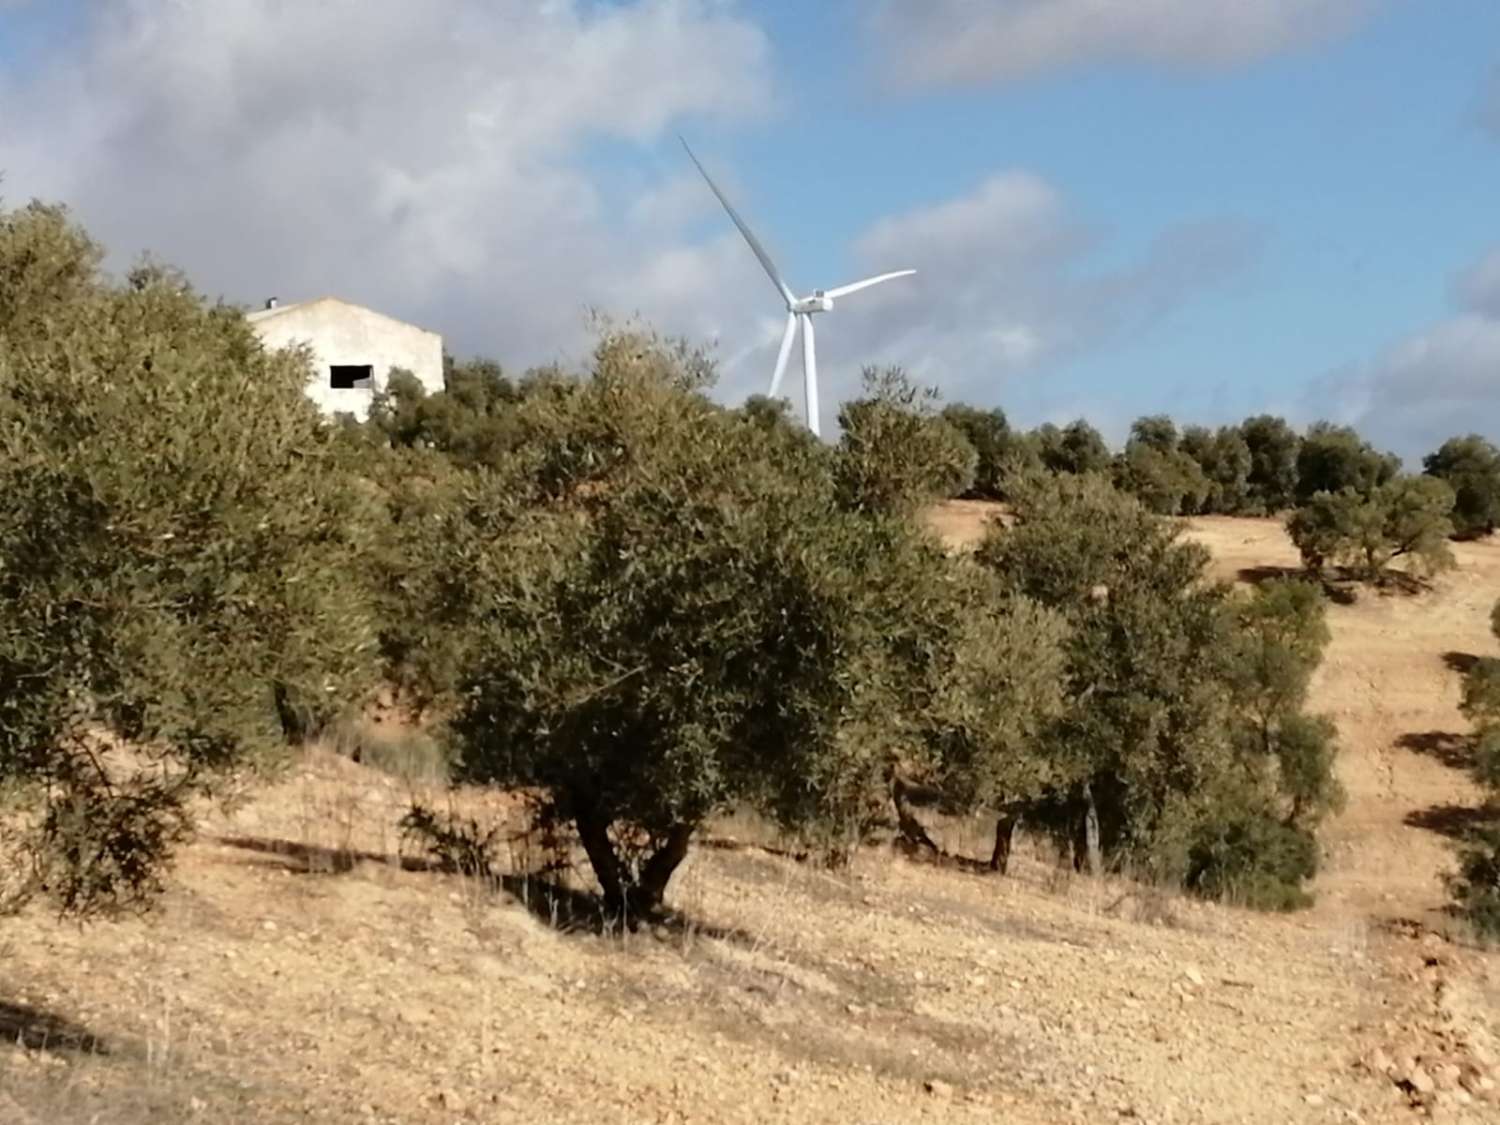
(1255, 860)
(1476, 885)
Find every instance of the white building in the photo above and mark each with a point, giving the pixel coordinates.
(354, 349)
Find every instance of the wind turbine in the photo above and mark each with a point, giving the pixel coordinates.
(799, 310)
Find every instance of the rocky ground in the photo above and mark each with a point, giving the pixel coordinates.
(300, 970)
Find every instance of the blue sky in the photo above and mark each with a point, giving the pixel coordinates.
(1268, 207)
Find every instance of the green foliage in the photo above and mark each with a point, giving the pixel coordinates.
(472, 419)
(989, 432)
(1271, 483)
(895, 454)
(1156, 431)
(1076, 448)
(1471, 466)
(693, 621)
(1182, 729)
(1334, 458)
(1167, 481)
(1254, 859)
(1223, 457)
(1476, 885)
(1406, 517)
(179, 552)
(1144, 724)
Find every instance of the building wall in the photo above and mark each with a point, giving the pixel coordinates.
(340, 333)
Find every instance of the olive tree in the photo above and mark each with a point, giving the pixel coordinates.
(1471, 466)
(177, 539)
(1332, 458)
(1144, 721)
(896, 454)
(1364, 533)
(706, 625)
(1273, 446)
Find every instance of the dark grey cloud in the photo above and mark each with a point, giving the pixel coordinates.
(971, 41)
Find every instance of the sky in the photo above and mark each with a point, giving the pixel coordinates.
(1209, 208)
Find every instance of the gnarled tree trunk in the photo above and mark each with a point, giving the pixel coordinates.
(1087, 853)
(1005, 838)
(909, 829)
(630, 896)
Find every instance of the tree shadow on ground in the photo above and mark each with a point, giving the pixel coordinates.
(571, 910)
(1457, 822)
(45, 1031)
(1456, 751)
(314, 859)
(1461, 662)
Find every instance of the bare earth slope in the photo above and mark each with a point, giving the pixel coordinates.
(300, 971)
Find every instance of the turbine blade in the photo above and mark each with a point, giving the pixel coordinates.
(810, 374)
(855, 287)
(784, 354)
(760, 251)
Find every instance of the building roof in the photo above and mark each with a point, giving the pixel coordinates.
(260, 315)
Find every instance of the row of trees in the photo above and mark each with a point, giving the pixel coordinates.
(687, 608)
(606, 589)
(1260, 467)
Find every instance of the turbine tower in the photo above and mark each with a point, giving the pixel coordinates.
(799, 310)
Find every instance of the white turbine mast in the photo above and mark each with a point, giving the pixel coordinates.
(799, 310)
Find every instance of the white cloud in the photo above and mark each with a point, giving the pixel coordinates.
(1005, 285)
(428, 158)
(435, 161)
(966, 41)
(1436, 383)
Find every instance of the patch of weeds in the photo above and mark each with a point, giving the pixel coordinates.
(457, 844)
(411, 754)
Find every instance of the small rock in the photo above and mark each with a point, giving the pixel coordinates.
(269, 926)
(1419, 1080)
(1313, 1100)
(1378, 1062)
(1194, 976)
(938, 1088)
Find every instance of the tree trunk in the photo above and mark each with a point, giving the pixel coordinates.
(593, 833)
(648, 894)
(630, 897)
(910, 830)
(1086, 850)
(1005, 837)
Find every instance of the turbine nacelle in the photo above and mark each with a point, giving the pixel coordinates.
(819, 302)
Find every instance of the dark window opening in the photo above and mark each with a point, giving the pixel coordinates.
(351, 377)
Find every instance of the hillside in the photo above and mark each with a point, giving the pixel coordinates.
(300, 970)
